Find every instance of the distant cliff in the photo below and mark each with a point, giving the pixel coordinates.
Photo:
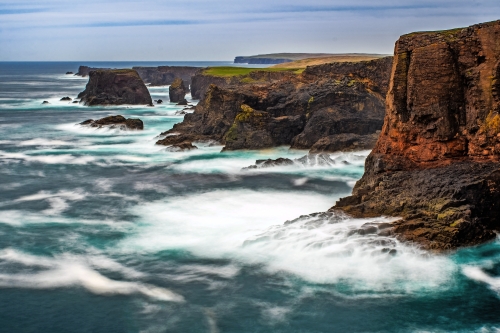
(85, 70)
(436, 162)
(165, 75)
(250, 60)
(155, 76)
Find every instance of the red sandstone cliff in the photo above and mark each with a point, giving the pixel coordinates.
(436, 162)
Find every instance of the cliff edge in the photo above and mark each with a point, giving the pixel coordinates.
(436, 162)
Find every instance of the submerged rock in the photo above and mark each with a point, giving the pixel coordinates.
(159, 101)
(271, 163)
(66, 99)
(68, 73)
(45, 102)
(307, 160)
(115, 87)
(118, 122)
(183, 146)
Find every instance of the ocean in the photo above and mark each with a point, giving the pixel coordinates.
(101, 230)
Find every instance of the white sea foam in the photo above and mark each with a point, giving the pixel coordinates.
(44, 142)
(47, 159)
(57, 201)
(22, 218)
(477, 274)
(247, 226)
(70, 271)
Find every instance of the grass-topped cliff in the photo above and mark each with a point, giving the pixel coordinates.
(228, 71)
(303, 63)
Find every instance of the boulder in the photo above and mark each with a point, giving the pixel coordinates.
(177, 91)
(115, 122)
(68, 73)
(159, 101)
(115, 87)
(66, 99)
(45, 102)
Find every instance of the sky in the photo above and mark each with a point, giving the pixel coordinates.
(212, 30)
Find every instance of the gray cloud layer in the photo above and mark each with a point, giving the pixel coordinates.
(219, 29)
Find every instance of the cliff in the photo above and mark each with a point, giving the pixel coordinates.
(440, 139)
(267, 109)
(208, 76)
(115, 87)
(165, 75)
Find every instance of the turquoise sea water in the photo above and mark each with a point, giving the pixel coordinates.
(102, 231)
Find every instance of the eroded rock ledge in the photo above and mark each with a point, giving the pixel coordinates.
(436, 162)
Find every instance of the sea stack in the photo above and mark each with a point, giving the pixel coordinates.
(177, 91)
(436, 163)
(115, 87)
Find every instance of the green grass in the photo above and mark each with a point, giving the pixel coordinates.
(228, 71)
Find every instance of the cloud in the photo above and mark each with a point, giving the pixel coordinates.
(219, 29)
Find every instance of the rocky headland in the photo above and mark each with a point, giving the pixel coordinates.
(316, 106)
(118, 122)
(115, 87)
(436, 163)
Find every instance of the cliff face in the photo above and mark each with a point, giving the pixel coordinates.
(272, 109)
(440, 140)
(115, 87)
(165, 75)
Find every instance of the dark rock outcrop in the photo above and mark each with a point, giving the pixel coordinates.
(115, 87)
(165, 75)
(183, 146)
(436, 163)
(269, 163)
(45, 102)
(321, 159)
(115, 122)
(267, 110)
(68, 73)
(66, 99)
(177, 91)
